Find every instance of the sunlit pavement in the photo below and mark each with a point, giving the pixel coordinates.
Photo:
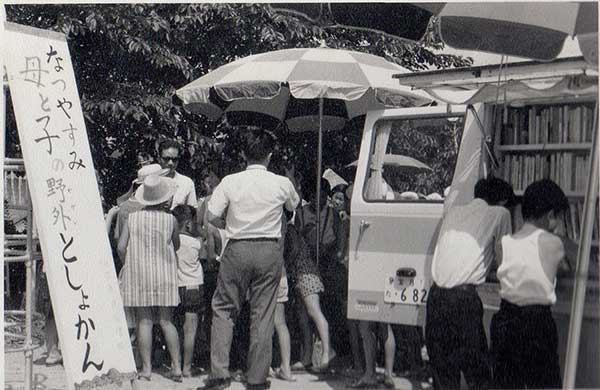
(53, 378)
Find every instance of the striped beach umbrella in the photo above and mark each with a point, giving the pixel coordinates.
(403, 163)
(288, 85)
(535, 30)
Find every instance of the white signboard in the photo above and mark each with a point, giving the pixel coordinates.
(66, 203)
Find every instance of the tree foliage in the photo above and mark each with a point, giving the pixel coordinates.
(130, 58)
(434, 142)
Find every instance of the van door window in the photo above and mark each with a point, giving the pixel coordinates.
(413, 159)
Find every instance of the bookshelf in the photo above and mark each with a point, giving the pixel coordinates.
(553, 140)
(548, 140)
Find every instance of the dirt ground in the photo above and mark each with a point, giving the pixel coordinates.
(53, 378)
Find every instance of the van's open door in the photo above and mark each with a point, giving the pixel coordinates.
(398, 204)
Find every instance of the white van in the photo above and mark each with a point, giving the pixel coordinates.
(544, 130)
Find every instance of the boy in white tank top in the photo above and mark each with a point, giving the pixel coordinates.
(524, 339)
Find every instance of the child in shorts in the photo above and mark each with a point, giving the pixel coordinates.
(524, 339)
(190, 280)
(284, 372)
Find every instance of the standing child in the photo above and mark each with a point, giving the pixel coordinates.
(284, 372)
(190, 281)
(524, 339)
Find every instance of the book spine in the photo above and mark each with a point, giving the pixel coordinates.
(560, 126)
(574, 221)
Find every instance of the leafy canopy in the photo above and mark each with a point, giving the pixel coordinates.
(130, 58)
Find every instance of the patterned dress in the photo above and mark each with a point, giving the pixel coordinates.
(149, 276)
(301, 268)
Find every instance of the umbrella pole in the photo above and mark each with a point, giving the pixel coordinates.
(319, 162)
(583, 263)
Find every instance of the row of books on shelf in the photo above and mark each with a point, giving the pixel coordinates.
(547, 124)
(568, 169)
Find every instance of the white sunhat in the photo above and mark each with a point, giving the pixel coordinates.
(147, 170)
(155, 190)
(333, 178)
(142, 173)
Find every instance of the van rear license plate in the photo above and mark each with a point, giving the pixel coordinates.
(407, 291)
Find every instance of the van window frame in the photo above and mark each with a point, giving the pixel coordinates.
(462, 115)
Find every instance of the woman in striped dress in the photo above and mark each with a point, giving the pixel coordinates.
(149, 275)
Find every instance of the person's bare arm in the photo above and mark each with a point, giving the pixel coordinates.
(123, 242)
(218, 222)
(566, 267)
(504, 229)
(175, 235)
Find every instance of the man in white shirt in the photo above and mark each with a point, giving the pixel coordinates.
(469, 240)
(169, 154)
(248, 205)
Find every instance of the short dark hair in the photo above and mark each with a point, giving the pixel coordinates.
(184, 213)
(541, 197)
(257, 143)
(494, 191)
(339, 188)
(168, 144)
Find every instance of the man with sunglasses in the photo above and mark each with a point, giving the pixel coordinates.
(168, 156)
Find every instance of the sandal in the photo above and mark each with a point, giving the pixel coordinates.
(144, 377)
(325, 367)
(53, 359)
(389, 383)
(174, 377)
(300, 367)
(279, 374)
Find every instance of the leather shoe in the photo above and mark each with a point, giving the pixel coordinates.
(258, 386)
(216, 384)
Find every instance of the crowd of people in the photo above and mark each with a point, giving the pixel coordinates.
(228, 266)
(228, 263)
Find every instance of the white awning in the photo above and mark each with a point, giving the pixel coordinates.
(507, 83)
(516, 91)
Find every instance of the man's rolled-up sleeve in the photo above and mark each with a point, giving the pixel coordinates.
(218, 201)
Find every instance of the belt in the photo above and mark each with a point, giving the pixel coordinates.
(466, 287)
(460, 287)
(255, 239)
(526, 309)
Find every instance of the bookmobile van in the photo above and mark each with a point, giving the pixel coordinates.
(521, 123)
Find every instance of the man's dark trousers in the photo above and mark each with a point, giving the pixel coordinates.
(455, 337)
(252, 266)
